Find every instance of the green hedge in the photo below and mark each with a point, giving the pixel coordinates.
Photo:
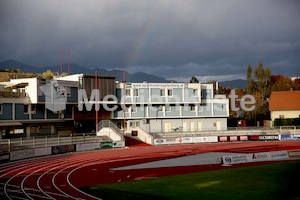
(287, 122)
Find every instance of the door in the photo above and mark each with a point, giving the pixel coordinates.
(184, 126)
(199, 126)
(218, 125)
(192, 126)
(167, 126)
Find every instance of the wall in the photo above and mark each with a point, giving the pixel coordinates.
(287, 114)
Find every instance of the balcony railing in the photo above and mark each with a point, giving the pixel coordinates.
(13, 94)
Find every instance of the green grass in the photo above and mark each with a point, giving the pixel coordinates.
(271, 181)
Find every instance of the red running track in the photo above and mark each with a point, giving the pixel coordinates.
(60, 176)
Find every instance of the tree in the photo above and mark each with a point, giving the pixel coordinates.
(259, 86)
(259, 79)
(194, 80)
(47, 74)
(280, 83)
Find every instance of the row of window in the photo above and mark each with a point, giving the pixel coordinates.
(163, 92)
(27, 109)
(192, 108)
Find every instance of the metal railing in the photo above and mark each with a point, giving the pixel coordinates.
(109, 124)
(8, 145)
(13, 94)
(229, 131)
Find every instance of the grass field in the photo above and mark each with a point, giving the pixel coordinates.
(270, 181)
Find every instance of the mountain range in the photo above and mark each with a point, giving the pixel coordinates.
(130, 77)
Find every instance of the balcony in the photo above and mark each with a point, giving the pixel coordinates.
(13, 94)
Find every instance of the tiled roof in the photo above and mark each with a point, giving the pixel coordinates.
(285, 100)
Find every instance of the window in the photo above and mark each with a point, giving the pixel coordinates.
(68, 92)
(33, 109)
(26, 109)
(200, 108)
(159, 108)
(281, 116)
(162, 93)
(133, 109)
(168, 108)
(223, 107)
(1, 108)
(136, 92)
(195, 92)
(170, 92)
(192, 108)
(128, 93)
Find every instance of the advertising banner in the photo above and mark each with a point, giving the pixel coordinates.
(43, 151)
(159, 141)
(277, 155)
(21, 154)
(285, 137)
(4, 157)
(294, 154)
(106, 145)
(87, 147)
(119, 144)
(63, 149)
(269, 137)
(223, 138)
(263, 156)
(244, 138)
(233, 138)
(236, 159)
(295, 137)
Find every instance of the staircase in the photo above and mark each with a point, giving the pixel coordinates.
(132, 142)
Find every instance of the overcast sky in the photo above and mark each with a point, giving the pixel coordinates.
(175, 39)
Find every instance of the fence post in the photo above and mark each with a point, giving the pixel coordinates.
(33, 142)
(58, 138)
(46, 141)
(9, 145)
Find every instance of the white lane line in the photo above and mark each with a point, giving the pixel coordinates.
(16, 197)
(28, 168)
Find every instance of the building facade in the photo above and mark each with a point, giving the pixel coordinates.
(76, 103)
(284, 104)
(167, 107)
(24, 111)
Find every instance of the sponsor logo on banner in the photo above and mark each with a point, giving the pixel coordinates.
(294, 154)
(243, 138)
(63, 149)
(295, 137)
(171, 140)
(187, 140)
(159, 141)
(268, 137)
(236, 159)
(223, 138)
(276, 155)
(285, 137)
(119, 144)
(233, 138)
(261, 156)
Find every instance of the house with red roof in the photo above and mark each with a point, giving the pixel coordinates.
(284, 104)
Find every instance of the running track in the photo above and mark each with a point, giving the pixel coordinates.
(60, 176)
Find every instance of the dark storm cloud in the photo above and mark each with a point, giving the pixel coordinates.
(170, 38)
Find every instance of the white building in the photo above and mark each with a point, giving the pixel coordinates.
(167, 107)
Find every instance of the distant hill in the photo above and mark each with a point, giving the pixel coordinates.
(75, 68)
(239, 83)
